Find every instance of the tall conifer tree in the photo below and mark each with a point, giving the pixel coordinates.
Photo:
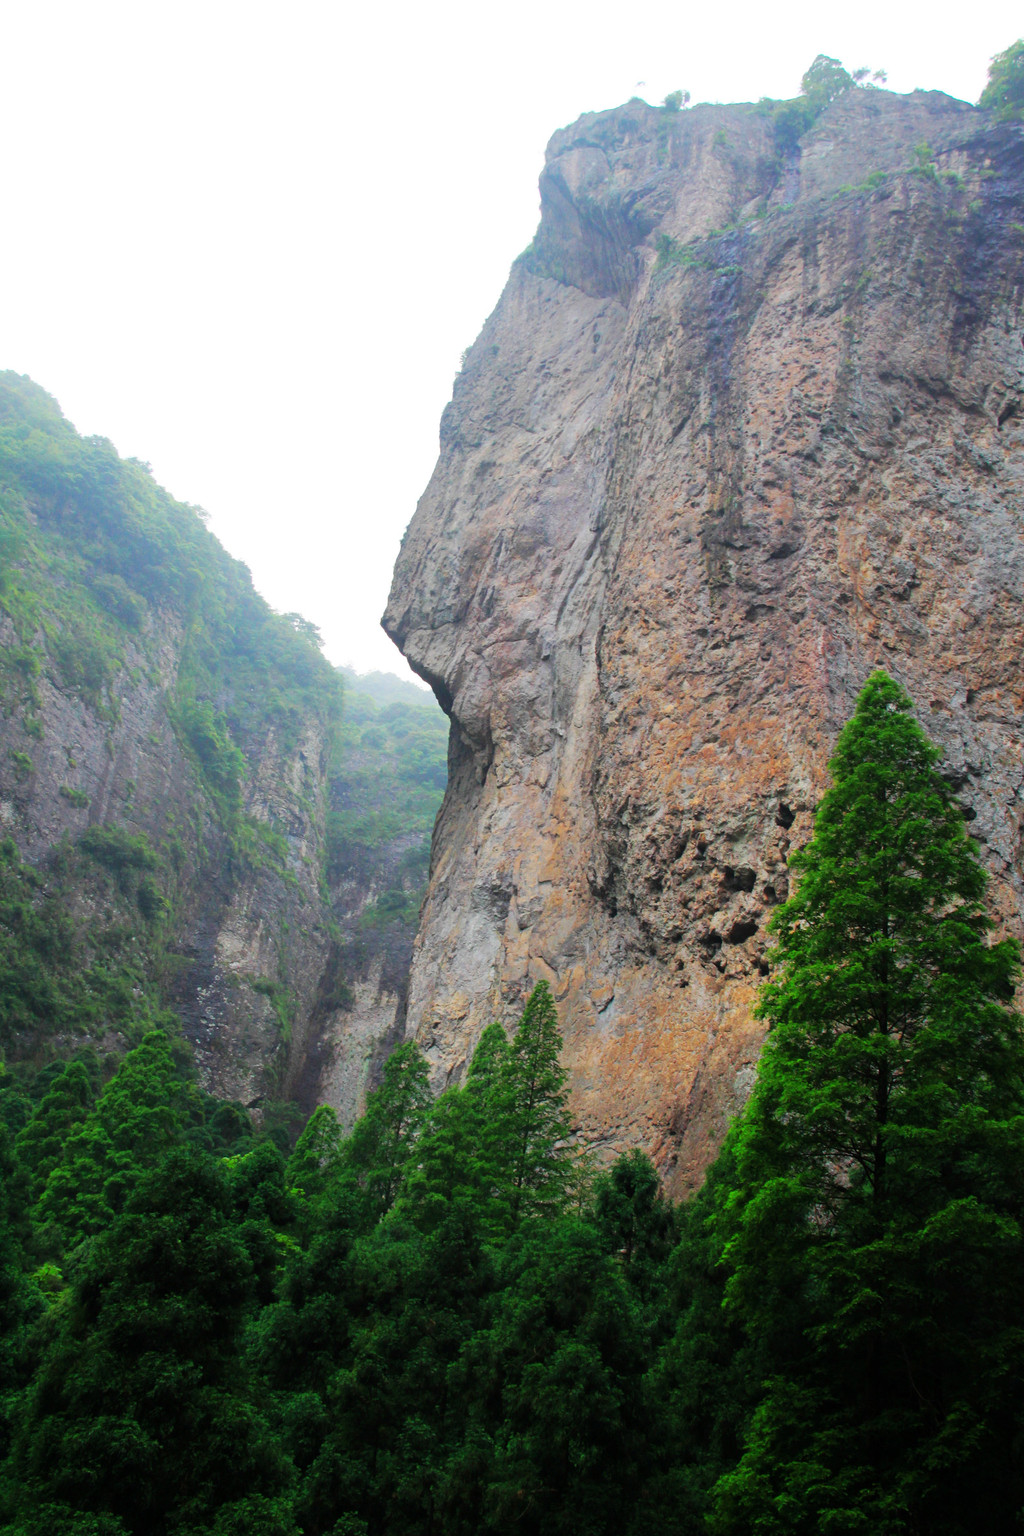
(380, 1149)
(538, 1158)
(876, 1249)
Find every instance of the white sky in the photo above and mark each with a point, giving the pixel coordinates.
(248, 242)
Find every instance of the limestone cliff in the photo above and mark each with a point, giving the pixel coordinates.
(745, 423)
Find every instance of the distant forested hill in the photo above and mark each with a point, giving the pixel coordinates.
(178, 781)
(386, 688)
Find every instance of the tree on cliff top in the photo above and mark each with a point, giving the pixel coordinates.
(1004, 93)
(874, 1232)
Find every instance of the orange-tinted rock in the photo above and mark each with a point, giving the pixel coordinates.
(680, 513)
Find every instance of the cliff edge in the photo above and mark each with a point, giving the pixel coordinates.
(745, 423)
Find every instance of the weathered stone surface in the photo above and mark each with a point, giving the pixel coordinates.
(235, 925)
(678, 516)
(275, 1003)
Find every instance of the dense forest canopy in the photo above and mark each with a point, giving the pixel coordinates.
(448, 1322)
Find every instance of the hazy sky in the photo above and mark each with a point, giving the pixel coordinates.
(249, 242)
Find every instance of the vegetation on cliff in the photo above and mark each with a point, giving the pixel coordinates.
(93, 551)
(441, 1324)
(1004, 93)
(385, 790)
(176, 764)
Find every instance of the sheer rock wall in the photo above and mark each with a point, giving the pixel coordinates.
(683, 505)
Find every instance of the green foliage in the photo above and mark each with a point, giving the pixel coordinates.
(86, 662)
(381, 1147)
(875, 1223)
(421, 1330)
(675, 100)
(281, 1001)
(634, 1219)
(1004, 92)
(556, 1434)
(93, 554)
(206, 732)
(924, 163)
(61, 974)
(317, 1154)
(23, 765)
(823, 82)
(140, 1412)
(459, 1165)
(388, 783)
(139, 1116)
(538, 1126)
(122, 853)
(63, 1108)
(672, 254)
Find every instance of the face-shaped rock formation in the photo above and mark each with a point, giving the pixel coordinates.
(746, 423)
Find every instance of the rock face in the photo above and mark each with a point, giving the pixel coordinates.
(238, 926)
(173, 758)
(744, 425)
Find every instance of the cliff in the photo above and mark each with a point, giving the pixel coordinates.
(745, 424)
(173, 756)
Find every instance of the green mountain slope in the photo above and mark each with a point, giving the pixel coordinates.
(186, 818)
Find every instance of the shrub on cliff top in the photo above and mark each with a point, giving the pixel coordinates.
(1004, 93)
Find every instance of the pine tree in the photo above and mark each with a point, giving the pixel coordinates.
(380, 1149)
(139, 1116)
(634, 1219)
(537, 1128)
(317, 1155)
(142, 1415)
(459, 1158)
(875, 1251)
(20, 1301)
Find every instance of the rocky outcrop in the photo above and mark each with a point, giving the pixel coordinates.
(744, 425)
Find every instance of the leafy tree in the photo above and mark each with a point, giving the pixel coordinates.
(823, 82)
(874, 1232)
(63, 1108)
(1004, 93)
